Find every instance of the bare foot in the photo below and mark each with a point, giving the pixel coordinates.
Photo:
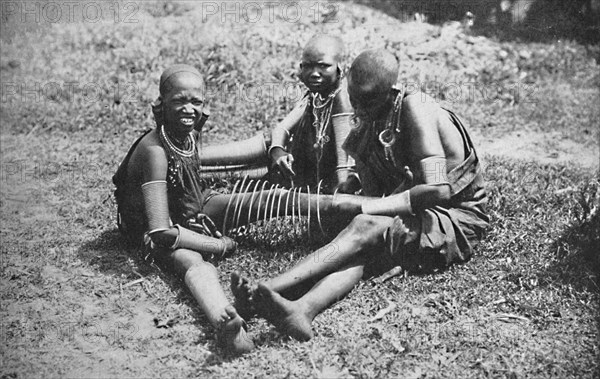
(286, 315)
(243, 292)
(232, 334)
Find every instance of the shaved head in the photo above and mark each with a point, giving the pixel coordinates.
(177, 73)
(370, 80)
(324, 43)
(182, 96)
(320, 68)
(373, 71)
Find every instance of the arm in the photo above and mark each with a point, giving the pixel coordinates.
(346, 167)
(280, 136)
(340, 118)
(154, 192)
(160, 230)
(420, 122)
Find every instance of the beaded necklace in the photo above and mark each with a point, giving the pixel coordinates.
(168, 144)
(322, 114)
(179, 160)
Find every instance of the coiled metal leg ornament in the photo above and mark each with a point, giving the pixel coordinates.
(224, 229)
(250, 202)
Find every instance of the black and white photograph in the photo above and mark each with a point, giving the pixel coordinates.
(299, 189)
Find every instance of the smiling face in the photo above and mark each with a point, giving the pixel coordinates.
(319, 68)
(183, 102)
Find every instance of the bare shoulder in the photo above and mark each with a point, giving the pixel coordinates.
(420, 120)
(149, 158)
(431, 130)
(150, 145)
(421, 104)
(419, 110)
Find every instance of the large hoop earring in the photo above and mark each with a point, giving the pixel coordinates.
(157, 111)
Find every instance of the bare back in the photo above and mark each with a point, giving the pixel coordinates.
(431, 131)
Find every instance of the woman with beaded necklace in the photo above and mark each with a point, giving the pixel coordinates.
(159, 193)
(306, 146)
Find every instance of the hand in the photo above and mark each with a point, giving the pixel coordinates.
(204, 225)
(351, 185)
(283, 160)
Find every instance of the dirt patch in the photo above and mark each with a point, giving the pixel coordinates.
(547, 148)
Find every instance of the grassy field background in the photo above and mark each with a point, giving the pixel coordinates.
(77, 303)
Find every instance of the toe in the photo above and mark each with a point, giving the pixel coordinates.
(231, 312)
(265, 292)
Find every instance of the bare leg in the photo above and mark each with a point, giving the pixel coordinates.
(294, 318)
(364, 233)
(203, 282)
(338, 266)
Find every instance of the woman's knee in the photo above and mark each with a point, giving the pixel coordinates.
(184, 259)
(215, 207)
(368, 229)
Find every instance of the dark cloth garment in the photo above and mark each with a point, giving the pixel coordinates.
(435, 237)
(310, 161)
(187, 193)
